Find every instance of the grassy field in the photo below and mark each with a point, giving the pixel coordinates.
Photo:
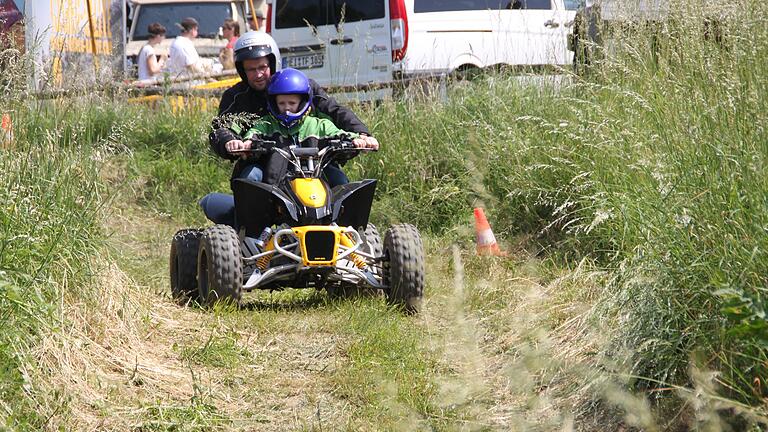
(632, 199)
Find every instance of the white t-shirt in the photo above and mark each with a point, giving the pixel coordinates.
(144, 54)
(182, 54)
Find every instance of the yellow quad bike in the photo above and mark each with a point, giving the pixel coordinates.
(300, 234)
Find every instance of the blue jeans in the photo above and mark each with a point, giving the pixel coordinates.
(252, 172)
(334, 175)
(219, 208)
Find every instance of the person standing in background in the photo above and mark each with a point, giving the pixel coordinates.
(149, 64)
(183, 55)
(260, 23)
(231, 31)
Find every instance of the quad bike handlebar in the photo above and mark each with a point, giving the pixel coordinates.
(315, 158)
(259, 147)
(337, 146)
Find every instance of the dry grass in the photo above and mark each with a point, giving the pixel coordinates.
(120, 361)
(111, 351)
(507, 342)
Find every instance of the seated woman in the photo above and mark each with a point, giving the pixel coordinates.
(231, 31)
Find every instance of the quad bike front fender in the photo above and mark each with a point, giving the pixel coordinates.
(352, 203)
(258, 205)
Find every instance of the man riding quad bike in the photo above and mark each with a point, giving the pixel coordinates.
(322, 239)
(294, 230)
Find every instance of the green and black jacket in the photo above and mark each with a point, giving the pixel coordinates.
(308, 132)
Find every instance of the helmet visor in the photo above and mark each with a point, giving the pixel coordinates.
(252, 52)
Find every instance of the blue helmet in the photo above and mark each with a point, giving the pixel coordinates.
(289, 81)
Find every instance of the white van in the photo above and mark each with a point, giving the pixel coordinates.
(448, 35)
(335, 42)
(362, 42)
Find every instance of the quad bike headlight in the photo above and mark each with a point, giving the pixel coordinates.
(321, 245)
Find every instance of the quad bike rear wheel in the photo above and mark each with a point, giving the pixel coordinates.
(183, 265)
(404, 267)
(220, 266)
(371, 240)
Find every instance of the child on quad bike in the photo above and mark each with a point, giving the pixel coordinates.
(293, 229)
(289, 101)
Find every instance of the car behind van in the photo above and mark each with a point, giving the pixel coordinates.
(447, 36)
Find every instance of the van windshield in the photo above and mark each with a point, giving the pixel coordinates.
(297, 13)
(210, 16)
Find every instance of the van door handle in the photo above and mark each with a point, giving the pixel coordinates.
(551, 24)
(341, 41)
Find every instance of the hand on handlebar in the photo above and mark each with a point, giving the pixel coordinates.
(366, 142)
(237, 146)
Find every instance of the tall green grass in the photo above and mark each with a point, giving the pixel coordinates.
(171, 165)
(52, 201)
(653, 166)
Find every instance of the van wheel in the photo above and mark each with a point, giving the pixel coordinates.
(404, 267)
(466, 72)
(220, 266)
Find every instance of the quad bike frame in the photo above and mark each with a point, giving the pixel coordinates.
(322, 240)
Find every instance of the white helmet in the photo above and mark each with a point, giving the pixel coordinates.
(252, 45)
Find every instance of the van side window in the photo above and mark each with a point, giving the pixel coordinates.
(358, 10)
(572, 4)
(296, 13)
(530, 4)
(457, 5)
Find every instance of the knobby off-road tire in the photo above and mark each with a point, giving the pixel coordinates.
(371, 244)
(183, 265)
(372, 240)
(404, 267)
(220, 266)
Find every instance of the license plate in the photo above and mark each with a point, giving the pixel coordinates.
(306, 61)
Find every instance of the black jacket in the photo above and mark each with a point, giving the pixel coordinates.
(242, 103)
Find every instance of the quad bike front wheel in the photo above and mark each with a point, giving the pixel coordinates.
(220, 266)
(183, 264)
(404, 267)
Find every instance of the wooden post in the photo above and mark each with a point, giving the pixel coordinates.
(93, 39)
(253, 15)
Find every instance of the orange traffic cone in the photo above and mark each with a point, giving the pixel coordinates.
(486, 241)
(6, 131)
